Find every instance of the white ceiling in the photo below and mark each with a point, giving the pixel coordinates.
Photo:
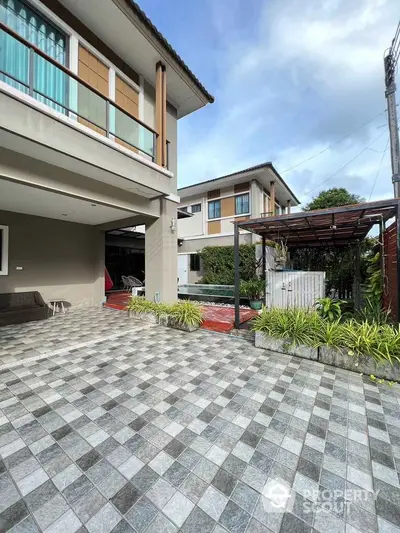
(32, 201)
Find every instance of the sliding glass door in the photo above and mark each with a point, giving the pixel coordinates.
(43, 80)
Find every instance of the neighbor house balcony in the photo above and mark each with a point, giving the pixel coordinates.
(49, 113)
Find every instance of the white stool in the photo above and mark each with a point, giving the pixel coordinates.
(57, 304)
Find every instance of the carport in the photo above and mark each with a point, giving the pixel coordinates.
(336, 227)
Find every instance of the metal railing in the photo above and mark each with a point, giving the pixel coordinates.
(27, 68)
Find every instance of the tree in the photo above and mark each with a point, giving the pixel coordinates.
(334, 197)
(337, 262)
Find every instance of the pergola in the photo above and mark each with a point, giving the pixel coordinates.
(336, 227)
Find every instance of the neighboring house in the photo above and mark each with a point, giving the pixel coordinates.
(90, 95)
(215, 204)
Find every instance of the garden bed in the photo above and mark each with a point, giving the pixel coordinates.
(364, 364)
(183, 315)
(361, 346)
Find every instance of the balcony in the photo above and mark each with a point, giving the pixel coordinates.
(27, 70)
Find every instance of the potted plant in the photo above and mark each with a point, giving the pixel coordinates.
(281, 255)
(254, 290)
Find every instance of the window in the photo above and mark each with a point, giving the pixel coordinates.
(194, 262)
(196, 208)
(48, 84)
(3, 250)
(242, 204)
(214, 209)
(184, 209)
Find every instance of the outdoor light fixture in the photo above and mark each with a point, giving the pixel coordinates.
(172, 225)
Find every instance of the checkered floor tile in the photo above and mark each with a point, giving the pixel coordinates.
(109, 425)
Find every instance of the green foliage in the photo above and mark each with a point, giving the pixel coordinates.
(297, 326)
(357, 338)
(219, 264)
(253, 289)
(329, 308)
(185, 312)
(374, 279)
(338, 263)
(373, 312)
(330, 334)
(139, 304)
(334, 197)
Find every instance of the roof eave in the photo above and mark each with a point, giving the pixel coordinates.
(170, 50)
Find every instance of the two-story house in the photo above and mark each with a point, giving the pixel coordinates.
(90, 95)
(217, 203)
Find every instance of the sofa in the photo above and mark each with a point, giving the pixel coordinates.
(18, 307)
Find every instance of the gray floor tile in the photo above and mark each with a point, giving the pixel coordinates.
(234, 519)
(245, 497)
(104, 520)
(310, 426)
(125, 498)
(141, 514)
(198, 522)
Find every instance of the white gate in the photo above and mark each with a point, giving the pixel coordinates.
(183, 276)
(294, 289)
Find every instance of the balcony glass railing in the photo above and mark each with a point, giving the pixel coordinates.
(28, 69)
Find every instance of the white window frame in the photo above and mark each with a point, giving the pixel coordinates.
(4, 251)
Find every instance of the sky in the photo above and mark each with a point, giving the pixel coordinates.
(291, 79)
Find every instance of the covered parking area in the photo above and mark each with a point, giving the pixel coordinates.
(335, 227)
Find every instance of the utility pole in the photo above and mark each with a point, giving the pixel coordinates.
(390, 63)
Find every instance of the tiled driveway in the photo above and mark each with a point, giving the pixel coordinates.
(109, 425)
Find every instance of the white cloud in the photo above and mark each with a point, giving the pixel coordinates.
(304, 76)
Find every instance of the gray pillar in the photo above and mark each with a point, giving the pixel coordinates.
(264, 262)
(237, 277)
(99, 295)
(398, 261)
(161, 255)
(357, 278)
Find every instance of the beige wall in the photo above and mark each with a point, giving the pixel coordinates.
(59, 259)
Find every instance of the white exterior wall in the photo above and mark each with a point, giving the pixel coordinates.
(195, 225)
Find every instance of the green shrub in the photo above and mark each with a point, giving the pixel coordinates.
(186, 313)
(357, 338)
(297, 326)
(253, 289)
(330, 334)
(219, 264)
(139, 304)
(373, 312)
(329, 308)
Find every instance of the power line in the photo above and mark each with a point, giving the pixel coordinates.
(336, 142)
(344, 166)
(379, 168)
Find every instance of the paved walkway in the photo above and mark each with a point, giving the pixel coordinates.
(109, 425)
